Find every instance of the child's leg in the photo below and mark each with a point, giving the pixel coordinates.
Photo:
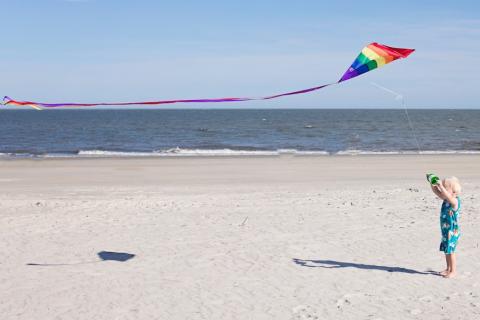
(453, 265)
(447, 270)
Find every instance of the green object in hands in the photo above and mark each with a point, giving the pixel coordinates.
(433, 179)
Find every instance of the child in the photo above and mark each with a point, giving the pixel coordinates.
(449, 190)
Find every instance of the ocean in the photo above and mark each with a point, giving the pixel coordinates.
(96, 133)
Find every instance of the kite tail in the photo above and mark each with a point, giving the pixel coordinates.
(40, 105)
(371, 57)
(8, 101)
(34, 107)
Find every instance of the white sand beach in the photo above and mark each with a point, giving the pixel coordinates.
(325, 237)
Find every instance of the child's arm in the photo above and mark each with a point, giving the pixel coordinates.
(447, 196)
(436, 191)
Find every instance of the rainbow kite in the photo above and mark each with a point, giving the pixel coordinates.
(372, 56)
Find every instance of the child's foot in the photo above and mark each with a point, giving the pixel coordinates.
(451, 274)
(444, 273)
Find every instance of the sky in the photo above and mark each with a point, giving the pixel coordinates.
(122, 50)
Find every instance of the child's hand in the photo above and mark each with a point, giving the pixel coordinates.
(437, 190)
(440, 187)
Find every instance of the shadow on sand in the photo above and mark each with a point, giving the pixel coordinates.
(103, 255)
(331, 264)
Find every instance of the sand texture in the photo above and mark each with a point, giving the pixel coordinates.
(334, 237)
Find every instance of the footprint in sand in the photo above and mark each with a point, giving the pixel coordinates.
(345, 300)
(415, 312)
(303, 312)
(426, 299)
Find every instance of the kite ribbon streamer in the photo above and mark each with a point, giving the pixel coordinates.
(373, 56)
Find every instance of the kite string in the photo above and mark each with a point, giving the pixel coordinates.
(410, 124)
(399, 96)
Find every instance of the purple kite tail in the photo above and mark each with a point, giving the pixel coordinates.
(372, 56)
(38, 105)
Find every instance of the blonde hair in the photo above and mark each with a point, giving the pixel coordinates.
(454, 184)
